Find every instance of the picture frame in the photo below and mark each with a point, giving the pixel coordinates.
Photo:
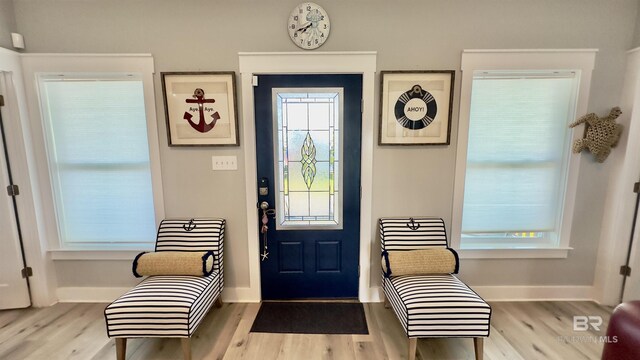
(201, 108)
(416, 107)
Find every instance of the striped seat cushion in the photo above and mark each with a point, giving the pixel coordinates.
(163, 306)
(437, 306)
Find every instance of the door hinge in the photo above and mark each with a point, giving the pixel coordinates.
(254, 80)
(361, 106)
(625, 270)
(360, 192)
(27, 272)
(13, 190)
(358, 270)
(1, 100)
(636, 187)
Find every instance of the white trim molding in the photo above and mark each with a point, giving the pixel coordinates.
(98, 254)
(313, 63)
(374, 294)
(528, 253)
(35, 64)
(581, 61)
(535, 293)
(24, 169)
(73, 294)
(619, 205)
(239, 295)
(520, 293)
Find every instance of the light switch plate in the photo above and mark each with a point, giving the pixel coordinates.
(224, 163)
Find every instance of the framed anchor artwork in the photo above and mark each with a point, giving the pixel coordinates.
(201, 108)
(415, 107)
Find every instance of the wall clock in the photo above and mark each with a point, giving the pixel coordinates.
(309, 26)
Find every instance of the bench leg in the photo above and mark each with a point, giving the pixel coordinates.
(477, 344)
(186, 348)
(218, 302)
(121, 348)
(413, 345)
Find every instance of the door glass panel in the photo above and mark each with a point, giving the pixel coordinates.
(308, 133)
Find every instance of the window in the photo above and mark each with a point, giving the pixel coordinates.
(308, 158)
(515, 185)
(101, 150)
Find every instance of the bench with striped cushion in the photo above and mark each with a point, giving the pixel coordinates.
(171, 306)
(430, 305)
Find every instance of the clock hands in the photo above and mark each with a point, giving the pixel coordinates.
(304, 29)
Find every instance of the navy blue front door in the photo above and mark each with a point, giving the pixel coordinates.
(308, 152)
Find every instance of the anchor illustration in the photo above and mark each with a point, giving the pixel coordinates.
(190, 226)
(413, 225)
(201, 126)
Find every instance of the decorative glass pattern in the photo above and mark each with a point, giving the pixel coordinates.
(308, 157)
(308, 153)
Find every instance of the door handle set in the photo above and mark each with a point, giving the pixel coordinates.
(264, 206)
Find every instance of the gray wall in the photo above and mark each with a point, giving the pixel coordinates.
(7, 23)
(636, 34)
(207, 35)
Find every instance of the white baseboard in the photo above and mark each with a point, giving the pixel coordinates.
(246, 294)
(373, 295)
(240, 295)
(535, 293)
(518, 293)
(90, 294)
(108, 294)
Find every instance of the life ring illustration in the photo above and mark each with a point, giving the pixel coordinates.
(415, 109)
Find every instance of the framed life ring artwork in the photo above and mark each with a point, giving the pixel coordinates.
(415, 107)
(200, 108)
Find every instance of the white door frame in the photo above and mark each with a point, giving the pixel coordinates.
(312, 63)
(620, 202)
(20, 147)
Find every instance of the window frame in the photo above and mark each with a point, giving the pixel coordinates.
(280, 222)
(581, 62)
(47, 64)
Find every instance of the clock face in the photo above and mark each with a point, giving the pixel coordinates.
(309, 26)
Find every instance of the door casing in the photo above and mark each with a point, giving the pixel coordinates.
(19, 144)
(15, 288)
(313, 63)
(309, 281)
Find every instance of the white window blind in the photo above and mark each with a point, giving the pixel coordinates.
(517, 153)
(98, 155)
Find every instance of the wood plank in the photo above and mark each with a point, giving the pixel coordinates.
(446, 348)
(391, 332)
(520, 330)
(76, 338)
(213, 337)
(496, 347)
(370, 346)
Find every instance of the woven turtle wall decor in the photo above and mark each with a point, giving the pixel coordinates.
(601, 134)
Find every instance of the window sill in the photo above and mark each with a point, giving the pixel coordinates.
(532, 253)
(96, 254)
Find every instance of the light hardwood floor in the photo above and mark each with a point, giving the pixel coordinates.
(520, 330)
